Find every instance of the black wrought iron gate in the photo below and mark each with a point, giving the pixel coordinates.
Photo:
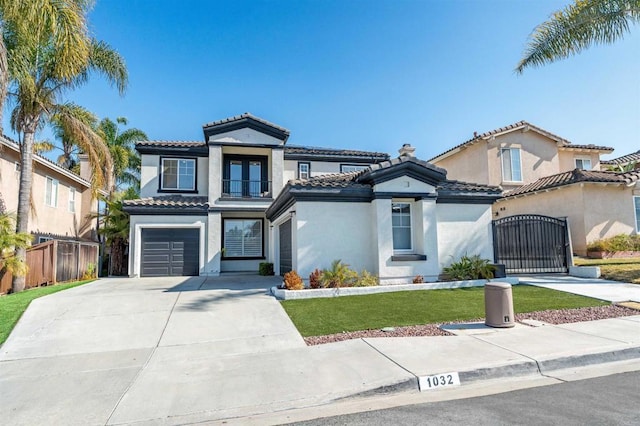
(531, 244)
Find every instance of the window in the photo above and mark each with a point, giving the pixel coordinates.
(245, 177)
(636, 200)
(178, 174)
(44, 239)
(17, 167)
(511, 169)
(304, 170)
(72, 199)
(51, 192)
(583, 163)
(348, 168)
(401, 224)
(242, 238)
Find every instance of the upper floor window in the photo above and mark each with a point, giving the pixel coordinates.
(72, 199)
(583, 163)
(245, 177)
(44, 239)
(178, 174)
(511, 165)
(401, 225)
(348, 168)
(51, 192)
(304, 170)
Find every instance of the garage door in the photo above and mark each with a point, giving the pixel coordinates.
(285, 247)
(170, 252)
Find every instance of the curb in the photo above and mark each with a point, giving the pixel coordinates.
(589, 359)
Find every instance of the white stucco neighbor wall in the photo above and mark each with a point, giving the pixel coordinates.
(464, 229)
(138, 222)
(332, 230)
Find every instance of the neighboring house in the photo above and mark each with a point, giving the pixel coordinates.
(542, 173)
(224, 205)
(624, 163)
(517, 155)
(598, 204)
(61, 200)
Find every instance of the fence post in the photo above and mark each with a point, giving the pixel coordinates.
(54, 266)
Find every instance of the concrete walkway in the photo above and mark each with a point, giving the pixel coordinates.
(176, 351)
(612, 291)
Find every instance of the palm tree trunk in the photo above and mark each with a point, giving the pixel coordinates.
(117, 256)
(24, 196)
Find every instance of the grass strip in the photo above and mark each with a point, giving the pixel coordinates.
(12, 306)
(317, 317)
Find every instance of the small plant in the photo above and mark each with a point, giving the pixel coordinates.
(340, 275)
(265, 268)
(620, 242)
(292, 281)
(470, 268)
(315, 279)
(90, 273)
(418, 279)
(366, 279)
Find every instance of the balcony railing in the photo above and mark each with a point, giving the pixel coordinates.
(246, 188)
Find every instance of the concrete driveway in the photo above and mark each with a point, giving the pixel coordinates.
(75, 354)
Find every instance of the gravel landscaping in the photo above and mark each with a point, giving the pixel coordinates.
(559, 316)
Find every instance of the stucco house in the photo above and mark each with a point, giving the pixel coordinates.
(62, 200)
(542, 173)
(241, 197)
(623, 163)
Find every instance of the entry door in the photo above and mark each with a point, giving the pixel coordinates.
(286, 263)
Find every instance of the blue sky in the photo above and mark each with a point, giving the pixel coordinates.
(360, 74)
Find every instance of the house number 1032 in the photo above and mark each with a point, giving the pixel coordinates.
(438, 381)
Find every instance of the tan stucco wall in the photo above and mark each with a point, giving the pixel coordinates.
(45, 219)
(469, 165)
(594, 211)
(568, 159)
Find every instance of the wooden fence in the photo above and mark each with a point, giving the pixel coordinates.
(55, 261)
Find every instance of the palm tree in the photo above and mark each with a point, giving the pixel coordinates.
(577, 27)
(42, 65)
(70, 144)
(9, 241)
(126, 161)
(115, 229)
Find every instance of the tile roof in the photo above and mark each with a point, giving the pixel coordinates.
(172, 201)
(242, 117)
(334, 180)
(176, 144)
(575, 176)
(623, 160)
(308, 150)
(404, 159)
(521, 125)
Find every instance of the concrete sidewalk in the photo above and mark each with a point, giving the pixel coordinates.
(612, 291)
(177, 352)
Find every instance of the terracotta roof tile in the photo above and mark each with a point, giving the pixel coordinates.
(575, 176)
(629, 158)
(518, 125)
(173, 201)
(177, 144)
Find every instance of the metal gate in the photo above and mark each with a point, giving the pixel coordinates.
(531, 244)
(285, 247)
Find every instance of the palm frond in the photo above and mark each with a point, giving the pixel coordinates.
(577, 27)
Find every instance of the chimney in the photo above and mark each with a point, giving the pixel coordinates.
(475, 135)
(407, 150)
(85, 169)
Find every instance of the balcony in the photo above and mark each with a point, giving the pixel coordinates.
(252, 189)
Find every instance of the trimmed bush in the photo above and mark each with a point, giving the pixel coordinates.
(315, 279)
(366, 279)
(292, 281)
(265, 268)
(469, 268)
(418, 279)
(620, 242)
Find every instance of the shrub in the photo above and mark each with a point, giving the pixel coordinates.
(340, 275)
(90, 273)
(418, 279)
(265, 268)
(366, 279)
(620, 242)
(470, 268)
(315, 279)
(292, 281)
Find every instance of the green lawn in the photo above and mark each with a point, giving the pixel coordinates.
(625, 270)
(13, 305)
(317, 317)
